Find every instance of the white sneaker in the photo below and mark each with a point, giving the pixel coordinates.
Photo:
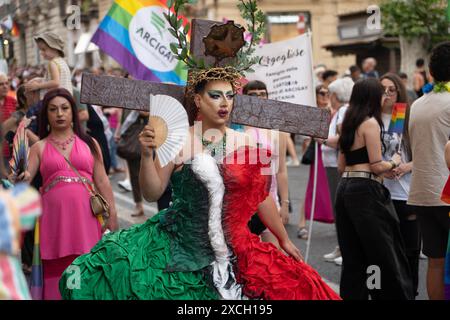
(338, 261)
(422, 256)
(330, 257)
(293, 163)
(125, 185)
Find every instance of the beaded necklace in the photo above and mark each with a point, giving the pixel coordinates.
(437, 87)
(62, 144)
(216, 148)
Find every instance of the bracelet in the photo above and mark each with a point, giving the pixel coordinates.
(286, 201)
(393, 164)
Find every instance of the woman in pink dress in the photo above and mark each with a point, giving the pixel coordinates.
(67, 226)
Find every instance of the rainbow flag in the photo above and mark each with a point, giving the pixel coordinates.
(135, 33)
(445, 197)
(398, 118)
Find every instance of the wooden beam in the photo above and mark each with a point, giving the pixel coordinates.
(109, 91)
(282, 116)
(125, 93)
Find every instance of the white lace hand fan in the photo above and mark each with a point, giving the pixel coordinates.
(170, 121)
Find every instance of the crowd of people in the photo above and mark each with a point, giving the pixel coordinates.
(371, 182)
(384, 184)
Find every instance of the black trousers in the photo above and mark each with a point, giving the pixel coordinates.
(369, 237)
(409, 227)
(134, 167)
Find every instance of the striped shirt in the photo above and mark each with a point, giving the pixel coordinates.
(64, 75)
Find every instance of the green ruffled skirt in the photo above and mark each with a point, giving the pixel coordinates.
(132, 264)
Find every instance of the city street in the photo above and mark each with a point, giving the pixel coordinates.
(323, 238)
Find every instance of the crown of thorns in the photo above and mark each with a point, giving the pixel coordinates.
(228, 74)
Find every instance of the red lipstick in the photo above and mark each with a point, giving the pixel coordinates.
(223, 113)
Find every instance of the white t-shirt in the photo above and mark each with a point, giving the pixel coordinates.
(330, 155)
(429, 131)
(399, 189)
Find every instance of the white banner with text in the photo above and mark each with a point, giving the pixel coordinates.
(286, 69)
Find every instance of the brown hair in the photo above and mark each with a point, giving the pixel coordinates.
(254, 85)
(21, 98)
(402, 97)
(43, 118)
(61, 53)
(190, 106)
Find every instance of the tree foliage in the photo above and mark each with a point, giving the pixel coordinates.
(256, 26)
(414, 19)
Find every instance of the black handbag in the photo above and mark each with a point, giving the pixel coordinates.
(129, 147)
(308, 156)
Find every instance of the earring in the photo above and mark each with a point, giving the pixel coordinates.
(48, 127)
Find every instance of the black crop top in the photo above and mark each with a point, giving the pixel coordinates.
(357, 156)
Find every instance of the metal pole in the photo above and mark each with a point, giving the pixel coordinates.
(316, 150)
(313, 203)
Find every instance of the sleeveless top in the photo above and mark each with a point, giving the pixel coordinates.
(357, 156)
(64, 75)
(67, 225)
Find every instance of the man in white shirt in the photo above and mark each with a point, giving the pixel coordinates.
(429, 129)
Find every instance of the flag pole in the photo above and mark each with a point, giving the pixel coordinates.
(316, 156)
(313, 203)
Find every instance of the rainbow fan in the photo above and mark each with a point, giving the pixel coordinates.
(21, 151)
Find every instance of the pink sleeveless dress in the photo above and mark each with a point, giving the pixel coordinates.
(67, 226)
(323, 209)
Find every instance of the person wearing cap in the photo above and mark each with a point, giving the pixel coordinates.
(58, 73)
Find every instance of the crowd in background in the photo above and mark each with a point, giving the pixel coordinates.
(403, 171)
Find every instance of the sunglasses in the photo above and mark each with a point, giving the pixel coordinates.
(390, 91)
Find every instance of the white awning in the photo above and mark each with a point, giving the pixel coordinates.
(84, 44)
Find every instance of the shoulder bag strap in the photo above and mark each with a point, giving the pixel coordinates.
(79, 175)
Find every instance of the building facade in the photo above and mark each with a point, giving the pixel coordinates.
(288, 18)
(327, 20)
(69, 19)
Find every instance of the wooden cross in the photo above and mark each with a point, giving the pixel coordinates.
(252, 111)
